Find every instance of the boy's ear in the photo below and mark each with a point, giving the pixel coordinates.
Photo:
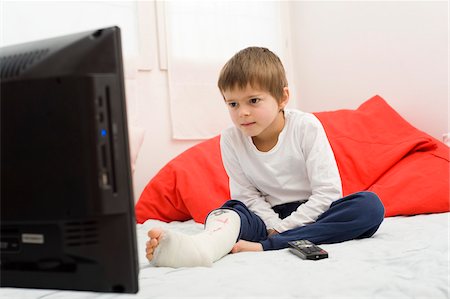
(285, 98)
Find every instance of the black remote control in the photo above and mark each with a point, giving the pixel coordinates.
(307, 250)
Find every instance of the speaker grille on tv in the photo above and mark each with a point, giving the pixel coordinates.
(13, 65)
(81, 233)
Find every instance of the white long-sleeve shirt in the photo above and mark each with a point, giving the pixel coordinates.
(300, 167)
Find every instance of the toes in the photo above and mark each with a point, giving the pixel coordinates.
(153, 242)
(151, 245)
(155, 233)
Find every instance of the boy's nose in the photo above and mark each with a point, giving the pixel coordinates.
(244, 112)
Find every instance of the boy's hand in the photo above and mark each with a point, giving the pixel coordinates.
(271, 232)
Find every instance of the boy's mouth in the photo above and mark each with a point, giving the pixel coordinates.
(248, 124)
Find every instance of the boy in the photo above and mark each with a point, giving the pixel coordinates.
(284, 179)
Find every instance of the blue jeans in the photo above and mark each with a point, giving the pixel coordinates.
(355, 216)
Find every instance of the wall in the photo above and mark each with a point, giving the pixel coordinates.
(154, 115)
(344, 52)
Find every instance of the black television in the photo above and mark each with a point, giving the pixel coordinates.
(67, 207)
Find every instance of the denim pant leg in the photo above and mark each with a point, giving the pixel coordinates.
(355, 216)
(252, 227)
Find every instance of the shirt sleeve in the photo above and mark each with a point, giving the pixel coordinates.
(322, 172)
(241, 187)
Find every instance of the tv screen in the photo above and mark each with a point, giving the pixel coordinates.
(67, 207)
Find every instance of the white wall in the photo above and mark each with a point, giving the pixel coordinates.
(344, 52)
(154, 115)
(31, 20)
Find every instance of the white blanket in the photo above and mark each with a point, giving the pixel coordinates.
(407, 258)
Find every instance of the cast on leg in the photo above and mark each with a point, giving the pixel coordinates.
(173, 249)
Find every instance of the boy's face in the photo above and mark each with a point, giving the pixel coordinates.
(255, 111)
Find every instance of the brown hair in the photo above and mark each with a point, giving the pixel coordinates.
(256, 66)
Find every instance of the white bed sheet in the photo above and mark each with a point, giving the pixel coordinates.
(407, 258)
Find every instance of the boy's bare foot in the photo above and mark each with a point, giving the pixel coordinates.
(243, 245)
(155, 235)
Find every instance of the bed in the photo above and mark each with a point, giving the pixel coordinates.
(407, 258)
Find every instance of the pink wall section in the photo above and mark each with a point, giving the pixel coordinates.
(344, 52)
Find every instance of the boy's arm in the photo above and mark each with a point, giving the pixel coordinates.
(242, 189)
(323, 175)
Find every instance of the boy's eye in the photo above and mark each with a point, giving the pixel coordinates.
(232, 104)
(254, 100)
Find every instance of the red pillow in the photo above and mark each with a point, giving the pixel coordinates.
(418, 184)
(189, 186)
(370, 140)
(375, 149)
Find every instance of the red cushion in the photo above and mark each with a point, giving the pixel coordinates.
(375, 149)
(189, 186)
(368, 141)
(418, 184)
